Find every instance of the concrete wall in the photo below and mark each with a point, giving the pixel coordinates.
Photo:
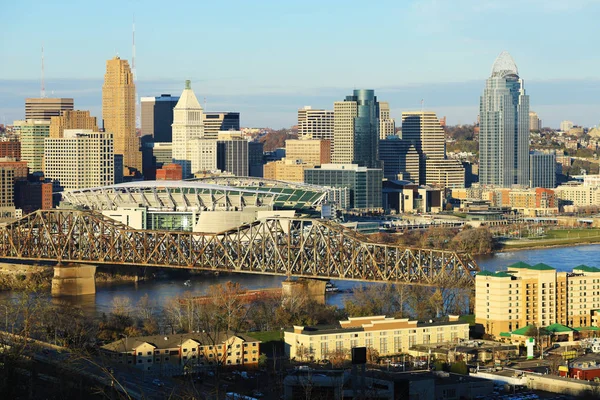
(74, 280)
(549, 383)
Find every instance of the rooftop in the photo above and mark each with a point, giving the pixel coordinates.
(504, 66)
(536, 267)
(586, 268)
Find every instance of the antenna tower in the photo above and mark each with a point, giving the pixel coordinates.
(43, 87)
(133, 49)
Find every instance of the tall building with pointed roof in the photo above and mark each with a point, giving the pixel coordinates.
(187, 125)
(118, 112)
(504, 127)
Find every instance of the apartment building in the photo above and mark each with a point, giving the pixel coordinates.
(388, 336)
(578, 195)
(310, 151)
(72, 119)
(288, 170)
(526, 294)
(315, 123)
(33, 133)
(176, 352)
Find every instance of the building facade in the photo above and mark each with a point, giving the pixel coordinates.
(356, 130)
(255, 159)
(315, 123)
(388, 336)
(187, 125)
(566, 126)
(10, 149)
(220, 121)
(400, 159)
(542, 170)
(286, 170)
(232, 153)
(44, 109)
(310, 151)
(79, 160)
(118, 113)
(387, 125)
(504, 127)
(535, 123)
(7, 183)
(33, 134)
(72, 119)
(157, 117)
(203, 152)
(363, 183)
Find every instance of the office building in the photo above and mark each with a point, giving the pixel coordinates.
(20, 168)
(10, 149)
(203, 155)
(255, 159)
(356, 130)
(309, 151)
(118, 113)
(31, 195)
(220, 121)
(157, 117)
(566, 126)
(72, 119)
(7, 182)
(363, 183)
(577, 195)
(33, 133)
(169, 172)
(187, 125)
(45, 108)
(542, 170)
(315, 123)
(287, 170)
(535, 123)
(504, 127)
(525, 295)
(80, 159)
(423, 130)
(387, 336)
(400, 159)
(232, 153)
(387, 125)
(406, 197)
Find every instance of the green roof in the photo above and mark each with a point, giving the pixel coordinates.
(585, 268)
(587, 328)
(558, 328)
(505, 334)
(536, 267)
(485, 273)
(499, 274)
(522, 331)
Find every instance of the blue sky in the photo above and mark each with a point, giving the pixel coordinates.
(266, 59)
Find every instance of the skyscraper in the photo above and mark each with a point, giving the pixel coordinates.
(33, 133)
(232, 153)
(220, 121)
(71, 119)
(118, 113)
(504, 127)
(43, 109)
(315, 123)
(187, 125)
(356, 130)
(535, 123)
(387, 125)
(157, 117)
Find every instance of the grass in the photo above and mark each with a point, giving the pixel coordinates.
(559, 237)
(268, 336)
(572, 233)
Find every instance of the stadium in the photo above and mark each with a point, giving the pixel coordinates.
(207, 205)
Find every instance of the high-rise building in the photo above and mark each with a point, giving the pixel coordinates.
(32, 195)
(80, 159)
(214, 122)
(72, 119)
(566, 126)
(387, 125)
(20, 168)
(356, 130)
(45, 108)
(157, 117)
(504, 127)
(310, 151)
(7, 182)
(33, 133)
(423, 130)
(363, 183)
(535, 123)
(11, 149)
(542, 168)
(232, 153)
(203, 155)
(287, 170)
(400, 159)
(187, 125)
(255, 159)
(315, 123)
(118, 113)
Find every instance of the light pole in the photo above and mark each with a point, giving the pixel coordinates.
(6, 318)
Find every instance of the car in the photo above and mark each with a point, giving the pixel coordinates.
(396, 365)
(157, 382)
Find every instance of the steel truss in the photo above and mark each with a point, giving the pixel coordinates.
(279, 246)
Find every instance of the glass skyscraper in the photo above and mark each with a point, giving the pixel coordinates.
(504, 127)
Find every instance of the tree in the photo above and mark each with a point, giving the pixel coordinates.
(459, 367)
(338, 357)
(372, 355)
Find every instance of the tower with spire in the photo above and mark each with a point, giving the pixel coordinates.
(504, 127)
(187, 125)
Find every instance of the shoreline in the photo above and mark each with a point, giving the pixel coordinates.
(545, 246)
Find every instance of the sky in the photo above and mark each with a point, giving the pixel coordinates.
(268, 58)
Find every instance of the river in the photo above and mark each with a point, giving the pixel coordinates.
(160, 290)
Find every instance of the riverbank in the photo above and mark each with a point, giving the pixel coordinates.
(24, 276)
(555, 238)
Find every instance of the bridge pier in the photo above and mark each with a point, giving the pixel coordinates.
(74, 280)
(314, 288)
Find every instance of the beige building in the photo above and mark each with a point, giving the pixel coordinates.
(173, 354)
(578, 195)
(315, 123)
(387, 125)
(33, 133)
(309, 151)
(342, 151)
(187, 125)
(388, 336)
(80, 159)
(203, 154)
(72, 119)
(535, 123)
(288, 170)
(46, 108)
(118, 113)
(7, 183)
(526, 294)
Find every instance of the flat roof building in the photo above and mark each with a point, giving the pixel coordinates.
(33, 133)
(46, 108)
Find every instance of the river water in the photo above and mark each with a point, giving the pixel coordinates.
(160, 290)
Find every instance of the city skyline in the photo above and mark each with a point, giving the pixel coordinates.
(259, 61)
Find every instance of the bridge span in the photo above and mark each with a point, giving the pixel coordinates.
(303, 248)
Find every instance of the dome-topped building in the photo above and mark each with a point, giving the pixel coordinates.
(504, 66)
